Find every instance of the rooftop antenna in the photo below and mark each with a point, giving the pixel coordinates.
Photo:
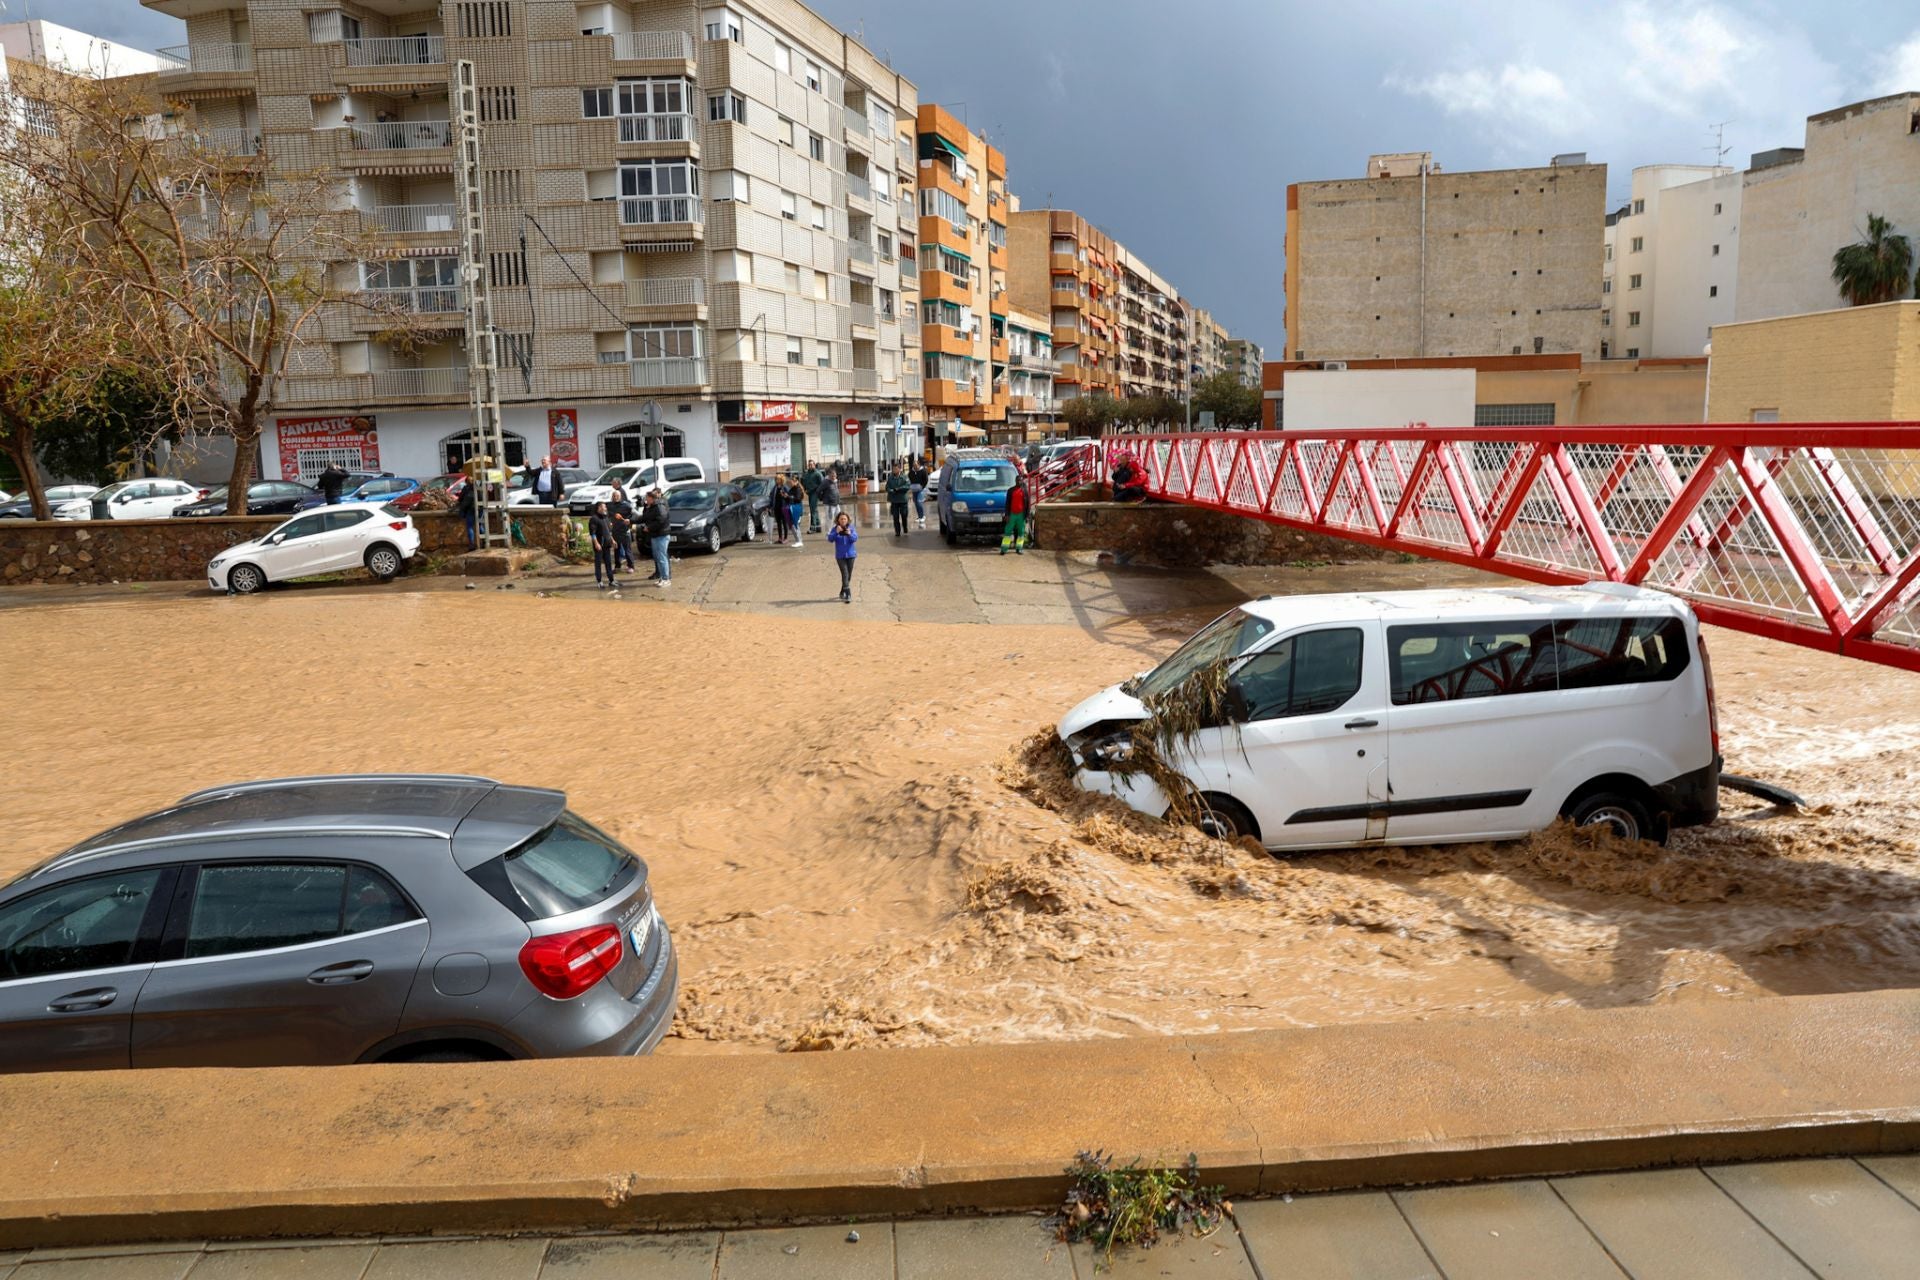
(1720, 147)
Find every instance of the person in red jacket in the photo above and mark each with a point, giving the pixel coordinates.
(1014, 533)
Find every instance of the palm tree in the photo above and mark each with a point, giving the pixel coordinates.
(1877, 269)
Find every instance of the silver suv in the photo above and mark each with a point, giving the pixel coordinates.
(330, 920)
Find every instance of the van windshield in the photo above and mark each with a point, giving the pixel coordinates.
(987, 477)
(1225, 638)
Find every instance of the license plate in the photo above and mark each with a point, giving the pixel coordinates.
(640, 933)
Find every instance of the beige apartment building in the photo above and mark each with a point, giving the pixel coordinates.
(1244, 360)
(1411, 261)
(1209, 344)
(962, 251)
(711, 200)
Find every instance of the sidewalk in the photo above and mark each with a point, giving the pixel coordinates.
(1798, 1218)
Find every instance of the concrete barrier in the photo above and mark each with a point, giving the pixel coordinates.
(125, 1156)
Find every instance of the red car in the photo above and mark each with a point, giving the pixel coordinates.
(451, 484)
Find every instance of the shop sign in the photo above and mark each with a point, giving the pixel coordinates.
(773, 411)
(776, 450)
(327, 437)
(563, 429)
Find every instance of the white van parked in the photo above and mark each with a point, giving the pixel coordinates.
(635, 479)
(1418, 717)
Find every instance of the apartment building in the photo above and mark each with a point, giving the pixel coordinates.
(692, 230)
(48, 44)
(1244, 360)
(1065, 268)
(1031, 409)
(1151, 330)
(1668, 269)
(962, 251)
(1411, 261)
(1209, 345)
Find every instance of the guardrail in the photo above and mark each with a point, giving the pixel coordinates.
(668, 371)
(644, 211)
(662, 127)
(396, 51)
(667, 291)
(404, 218)
(428, 300)
(402, 135)
(208, 58)
(420, 382)
(859, 187)
(652, 46)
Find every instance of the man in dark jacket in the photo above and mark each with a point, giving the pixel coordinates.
(600, 530)
(330, 481)
(899, 489)
(548, 491)
(467, 504)
(653, 523)
(620, 516)
(810, 481)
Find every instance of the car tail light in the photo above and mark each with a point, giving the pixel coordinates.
(1713, 709)
(397, 524)
(564, 965)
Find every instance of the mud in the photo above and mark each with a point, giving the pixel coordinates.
(862, 836)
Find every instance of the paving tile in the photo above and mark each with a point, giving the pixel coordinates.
(298, 1242)
(1340, 1236)
(150, 1266)
(115, 1250)
(1504, 1231)
(459, 1260)
(1010, 1248)
(668, 1257)
(1218, 1257)
(1676, 1223)
(819, 1253)
(1902, 1173)
(1836, 1217)
(298, 1262)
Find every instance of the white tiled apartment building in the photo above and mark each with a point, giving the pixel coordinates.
(711, 201)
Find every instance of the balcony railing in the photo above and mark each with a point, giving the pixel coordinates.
(228, 142)
(420, 382)
(859, 187)
(402, 135)
(860, 251)
(906, 152)
(1028, 360)
(430, 300)
(404, 218)
(667, 291)
(645, 211)
(857, 122)
(652, 46)
(399, 51)
(866, 379)
(863, 314)
(676, 127)
(203, 58)
(669, 371)
(909, 269)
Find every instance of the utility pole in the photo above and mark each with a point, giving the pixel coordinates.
(493, 527)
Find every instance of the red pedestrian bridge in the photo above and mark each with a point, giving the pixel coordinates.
(1804, 532)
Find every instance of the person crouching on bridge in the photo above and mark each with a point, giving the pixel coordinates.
(1126, 481)
(1014, 534)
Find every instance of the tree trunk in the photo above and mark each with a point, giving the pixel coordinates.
(246, 441)
(20, 449)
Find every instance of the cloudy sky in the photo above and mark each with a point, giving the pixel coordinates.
(1177, 127)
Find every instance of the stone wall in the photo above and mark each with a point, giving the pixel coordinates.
(1172, 534)
(86, 551)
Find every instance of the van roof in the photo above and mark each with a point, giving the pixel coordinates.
(1594, 598)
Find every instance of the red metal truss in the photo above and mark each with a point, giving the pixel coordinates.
(1808, 533)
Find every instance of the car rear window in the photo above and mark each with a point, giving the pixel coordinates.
(568, 867)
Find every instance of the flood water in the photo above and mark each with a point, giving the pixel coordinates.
(852, 851)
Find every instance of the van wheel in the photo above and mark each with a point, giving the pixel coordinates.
(384, 562)
(1626, 815)
(1225, 818)
(953, 539)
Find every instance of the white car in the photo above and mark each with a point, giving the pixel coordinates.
(1421, 717)
(520, 487)
(636, 478)
(323, 540)
(150, 499)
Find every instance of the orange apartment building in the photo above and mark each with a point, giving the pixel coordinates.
(1066, 268)
(963, 277)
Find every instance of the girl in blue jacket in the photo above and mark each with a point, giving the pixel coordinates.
(843, 536)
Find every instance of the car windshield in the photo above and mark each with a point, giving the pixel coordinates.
(756, 485)
(220, 491)
(688, 499)
(1225, 638)
(112, 490)
(983, 478)
(621, 475)
(569, 866)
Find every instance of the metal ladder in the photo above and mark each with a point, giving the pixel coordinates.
(493, 525)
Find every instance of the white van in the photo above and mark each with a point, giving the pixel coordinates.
(635, 480)
(1418, 717)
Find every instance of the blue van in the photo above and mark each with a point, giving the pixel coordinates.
(973, 493)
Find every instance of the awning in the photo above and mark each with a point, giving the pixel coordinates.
(940, 248)
(947, 147)
(965, 432)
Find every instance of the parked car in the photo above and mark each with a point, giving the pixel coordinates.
(59, 497)
(710, 516)
(1420, 717)
(637, 478)
(264, 498)
(149, 499)
(324, 540)
(972, 496)
(520, 485)
(760, 489)
(450, 484)
(380, 489)
(362, 919)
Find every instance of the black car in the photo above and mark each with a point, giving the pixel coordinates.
(264, 498)
(710, 516)
(760, 489)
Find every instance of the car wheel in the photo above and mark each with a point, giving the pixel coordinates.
(713, 539)
(1225, 818)
(1626, 815)
(753, 528)
(384, 562)
(245, 579)
(953, 539)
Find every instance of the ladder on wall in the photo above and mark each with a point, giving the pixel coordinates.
(493, 525)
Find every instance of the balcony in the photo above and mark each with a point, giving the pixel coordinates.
(208, 59)
(859, 188)
(904, 149)
(411, 219)
(420, 382)
(910, 382)
(860, 251)
(649, 211)
(656, 128)
(653, 372)
(1028, 360)
(866, 380)
(652, 46)
(863, 314)
(402, 135)
(857, 122)
(909, 269)
(431, 300)
(667, 291)
(400, 51)
(227, 142)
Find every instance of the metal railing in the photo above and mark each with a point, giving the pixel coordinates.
(403, 218)
(397, 51)
(1028, 360)
(427, 300)
(229, 141)
(667, 291)
(402, 135)
(863, 314)
(909, 269)
(669, 371)
(860, 251)
(202, 58)
(664, 127)
(857, 122)
(420, 382)
(644, 211)
(866, 379)
(652, 46)
(859, 187)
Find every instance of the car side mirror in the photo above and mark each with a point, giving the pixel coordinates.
(278, 538)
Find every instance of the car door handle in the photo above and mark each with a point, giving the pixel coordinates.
(1362, 724)
(335, 975)
(81, 1001)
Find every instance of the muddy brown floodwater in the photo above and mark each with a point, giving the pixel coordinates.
(852, 849)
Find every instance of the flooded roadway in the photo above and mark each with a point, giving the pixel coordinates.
(852, 850)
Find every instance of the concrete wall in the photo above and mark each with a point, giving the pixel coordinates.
(1860, 159)
(1511, 256)
(178, 550)
(1861, 364)
(1599, 392)
(1319, 401)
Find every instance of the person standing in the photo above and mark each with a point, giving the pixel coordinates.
(843, 536)
(829, 492)
(898, 490)
(810, 481)
(547, 489)
(469, 505)
(330, 481)
(1015, 533)
(917, 478)
(653, 522)
(777, 507)
(796, 499)
(620, 515)
(600, 532)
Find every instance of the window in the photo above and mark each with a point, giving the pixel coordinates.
(655, 110)
(936, 203)
(1716, 251)
(782, 58)
(1606, 286)
(1609, 253)
(830, 437)
(821, 285)
(1633, 282)
(788, 131)
(813, 76)
(664, 340)
(1595, 653)
(256, 907)
(658, 191)
(1450, 661)
(796, 351)
(1639, 206)
(885, 245)
(88, 924)
(596, 104)
(1513, 415)
(882, 185)
(1639, 243)
(1716, 208)
(1307, 674)
(792, 278)
(1606, 318)
(731, 184)
(823, 352)
(816, 146)
(1633, 319)
(820, 217)
(789, 206)
(726, 27)
(1633, 353)
(887, 297)
(1713, 291)
(727, 106)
